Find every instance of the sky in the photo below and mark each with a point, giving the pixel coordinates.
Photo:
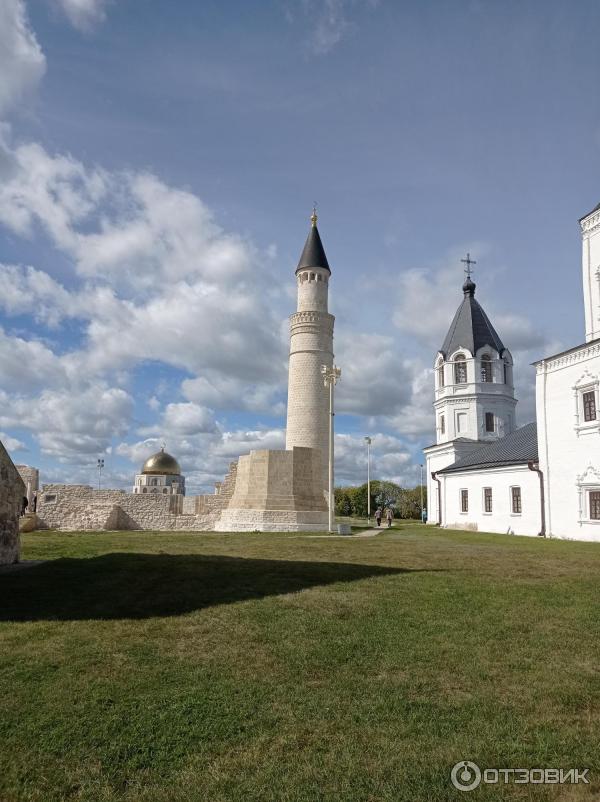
(158, 166)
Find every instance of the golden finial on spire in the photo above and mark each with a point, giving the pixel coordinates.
(313, 217)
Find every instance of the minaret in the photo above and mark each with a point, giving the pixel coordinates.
(474, 393)
(311, 345)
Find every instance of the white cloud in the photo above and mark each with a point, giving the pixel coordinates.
(390, 459)
(84, 14)
(22, 63)
(331, 21)
(12, 443)
(71, 426)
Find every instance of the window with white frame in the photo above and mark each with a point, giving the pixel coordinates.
(464, 500)
(588, 400)
(594, 505)
(440, 375)
(486, 368)
(490, 425)
(460, 369)
(442, 424)
(461, 422)
(515, 500)
(586, 391)
(487, 499)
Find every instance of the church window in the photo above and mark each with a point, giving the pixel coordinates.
(319, 277)
(487, 499)
(442, 424)
(589, 406)
(464, 500)
(489, 422)
(515, 500)
(440, 375)
(595, 505)
(461, 422)
(486, 368)
(312, 276)
(506, 372)
(460, 370)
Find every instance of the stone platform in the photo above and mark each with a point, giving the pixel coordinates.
(277, 491)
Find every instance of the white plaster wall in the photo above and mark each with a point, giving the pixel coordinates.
(590, 228)
(474, 399)
(568, 451)
(439, 457)
(501, 519)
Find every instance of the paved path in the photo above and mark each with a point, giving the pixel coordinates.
(365, 533)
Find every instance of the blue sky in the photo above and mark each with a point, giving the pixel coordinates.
(158, 164)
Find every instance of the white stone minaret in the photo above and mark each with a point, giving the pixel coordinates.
(590, 230)
(311, 345)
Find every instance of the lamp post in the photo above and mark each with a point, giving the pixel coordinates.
(100, 467)
(368, 442)
(330, 379)
(421, 467)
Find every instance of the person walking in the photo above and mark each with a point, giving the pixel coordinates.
(378, 516)
(389, 516)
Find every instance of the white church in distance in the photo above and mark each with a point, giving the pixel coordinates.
(540, 479)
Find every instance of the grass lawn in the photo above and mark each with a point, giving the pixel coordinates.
(201, 667)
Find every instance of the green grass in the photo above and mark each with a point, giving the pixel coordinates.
(204, 667)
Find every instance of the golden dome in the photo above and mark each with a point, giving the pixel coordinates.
(161, 463)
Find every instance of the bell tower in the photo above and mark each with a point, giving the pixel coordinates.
(474, 393)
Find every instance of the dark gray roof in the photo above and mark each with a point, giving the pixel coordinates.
(514, 449)
(595, 209)
(313, 254)
(471, 327)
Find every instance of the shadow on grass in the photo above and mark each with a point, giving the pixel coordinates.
(146, 585)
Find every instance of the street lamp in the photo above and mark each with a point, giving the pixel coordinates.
(421, 467)
(368, 442)
(330, 379)
(100, 467)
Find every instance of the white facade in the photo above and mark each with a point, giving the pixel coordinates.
(566, 502)
(569, 445)
(311, 346)
(503, 499)
(590, 229)
(474, 395)
(155, 483)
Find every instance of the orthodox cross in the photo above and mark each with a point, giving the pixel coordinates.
(468, 261)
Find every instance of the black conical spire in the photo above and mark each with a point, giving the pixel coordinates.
(471, 327)
(313, 254)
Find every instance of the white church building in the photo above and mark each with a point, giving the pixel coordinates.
(483, 473)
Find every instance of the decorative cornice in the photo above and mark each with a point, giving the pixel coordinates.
(578, 355)
(590, 224)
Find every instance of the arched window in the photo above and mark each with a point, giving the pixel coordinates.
(506, 372)
(486, 368)
(460, 369)
(440, 375)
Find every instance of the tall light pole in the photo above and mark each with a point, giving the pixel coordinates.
(368, 442)
(421, 467)
(330, 379)
(100, 467)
